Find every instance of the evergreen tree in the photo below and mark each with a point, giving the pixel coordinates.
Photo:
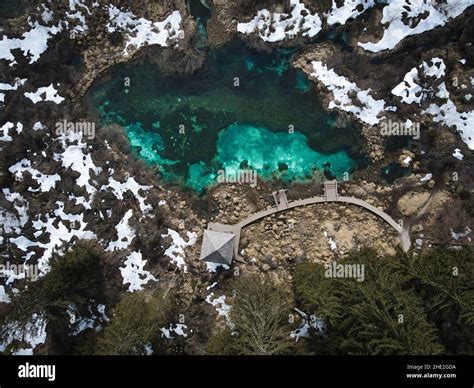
(259, 316)
(135, 324)
(74, 279)
(374, 316)
(444, 279)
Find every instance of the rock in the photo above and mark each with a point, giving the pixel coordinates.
(266, 267)
(360, 193)
(417, 228)
(369, 187)
(411, 203)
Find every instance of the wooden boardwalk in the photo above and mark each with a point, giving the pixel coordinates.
(282, 204)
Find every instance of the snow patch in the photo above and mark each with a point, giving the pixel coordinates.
(365, 108)
(308, 322)
(134, 274)
(348, 10)
(222, 308)
(142, 32)
(129, 185)
(457, 236)
(77, 158)
(449, 115)
(176, 250)
(33, 335)
(426, 178)
(125, 234)
(5, 134)
(177, 329)
(402, 18)
(412, 89)
(46, 182)
(274, 27)
(8, 87)
(33, 43)
(213, 267)
(47, 93)
(458, 154)
(4, 298)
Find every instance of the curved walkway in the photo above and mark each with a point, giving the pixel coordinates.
(313, 200)
(331, 195)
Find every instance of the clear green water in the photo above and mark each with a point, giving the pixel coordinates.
(193, 126)
(200, 10)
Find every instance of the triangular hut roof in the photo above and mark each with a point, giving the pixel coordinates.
(218, 247)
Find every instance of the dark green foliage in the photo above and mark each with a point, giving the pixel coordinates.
(365, 317)
(222, 343)
(74, 280)
(259, 314)
(135, 324)
(444, 280)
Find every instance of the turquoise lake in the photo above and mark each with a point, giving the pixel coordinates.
(243, 109)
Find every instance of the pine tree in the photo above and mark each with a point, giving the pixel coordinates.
(374, 316)
(444, 279)
(259, 316)
(135, 324)
(74, 279)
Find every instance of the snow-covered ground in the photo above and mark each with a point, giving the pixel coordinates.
(142, 32)
(365, 107)
(412, 89)
(332, 243)
(6, 130)
(33, 43)
(45, 182)
(134, 274)
(9, 87)
(402, 18)
(449, 115)
(46, 93)
(222, 308)
(175, 330)
(4, 298)
(426, 177)
(32, 336)
(458, 154)
(95, 320)
(176, 250)
(456, 236)
(213, 267)
(349, 9)
(56, 229)
(119, 189)
(76, 156)
(274, 27)
(125, 233)
(419, 86)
